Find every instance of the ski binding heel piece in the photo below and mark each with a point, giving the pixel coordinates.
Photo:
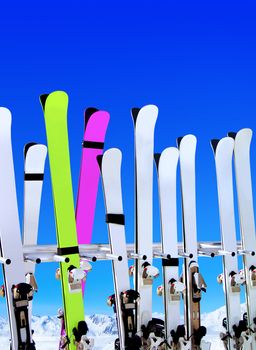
(30, 279)
(82, 342)
(176, 289)
(177, 339)
(253, 275)
(22, 294)
(75, 277)
(85, 265)
(149, 273)
(236, 280)
(131, 270)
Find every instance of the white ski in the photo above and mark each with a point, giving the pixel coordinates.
(110, 165)
(17, 292)
(144, 125)
(194, 282)
(223, 151)
(172, 288)
(247, 226)
(34, 161)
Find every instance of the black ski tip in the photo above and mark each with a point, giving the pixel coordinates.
(67, 260)
(38, 260)
(43, 99)
(27, 146)
(214, 144)
(99, 160)
(135, 112)
(179, 141)
(232, 134)
(157, 159)
(88, 113)
(8, 261)
(144, 257)
(94, 258)
(120, 258)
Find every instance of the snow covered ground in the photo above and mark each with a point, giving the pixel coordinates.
(103, 330)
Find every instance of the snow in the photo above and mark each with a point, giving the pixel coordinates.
(103, 329)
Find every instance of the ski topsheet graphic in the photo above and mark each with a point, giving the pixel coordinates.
(194, 282)
(223, 151)
(34, 161)
(125, 299)
(171, 290)
(247, 226)
(18, 293)
(96, 123)
(55, 112)
(144, 125)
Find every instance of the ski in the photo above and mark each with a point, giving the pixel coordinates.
(192, 278)
(55, 113)
(34, 161)
(144, 125)
(223, 152)
(247, 228)
(96, 123)
(166, 164)
(125, 299)
(18, 293)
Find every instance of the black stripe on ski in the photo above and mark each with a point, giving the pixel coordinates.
(68, 250)
(33, 177)
(93, 144)
(170, 262)
(118, 219)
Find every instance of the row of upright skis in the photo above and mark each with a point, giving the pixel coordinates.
(132, 305)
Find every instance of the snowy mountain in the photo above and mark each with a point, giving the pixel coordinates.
(103, 329)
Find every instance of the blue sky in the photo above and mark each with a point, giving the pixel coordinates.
(195, 61)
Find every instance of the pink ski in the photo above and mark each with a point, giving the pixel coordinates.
(96, 123)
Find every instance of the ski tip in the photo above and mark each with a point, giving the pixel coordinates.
(232, 134)
(99, 160)
(27, 146)
(135, 113)
(214, 144)
(43, 99)
(179, 141)
(157, 159)
(88, 113)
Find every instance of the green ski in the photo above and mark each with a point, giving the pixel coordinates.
(55, 107)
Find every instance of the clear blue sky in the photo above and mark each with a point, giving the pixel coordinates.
(195, 61)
